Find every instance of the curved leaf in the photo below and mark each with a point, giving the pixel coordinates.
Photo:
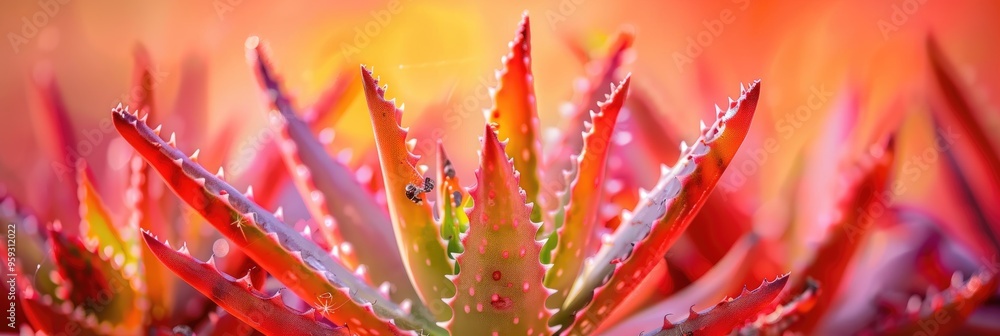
(947, 310)
(267, 314)
(89, 279)
(725, 277)
(515, 114)
(569, 143)
(500, 283)
(728, 314)
(334, 197)
(643, 238)
(865, 189)
(576, 235)
(417, 235)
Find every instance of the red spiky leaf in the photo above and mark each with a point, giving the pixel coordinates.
(728, 314)
(660, 218)
(295, 261)
(576, 235)
(265, 313)
(515, 114)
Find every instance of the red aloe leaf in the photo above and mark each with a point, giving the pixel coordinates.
(143, 81)
(727, 315)
(719, 224)
(865, 191)
(452, 199)
(424, 251)
(500, 283)
(725, 277)
(58, 318)
(291, 258)
(56, 133)
(946, 310)
(600, 71)
(334, 197)
(222, 323)
(959, 110)
(265, 313)
(776, 322)
(659, 219)
(90, 279)
(515, 114)
(575, 237)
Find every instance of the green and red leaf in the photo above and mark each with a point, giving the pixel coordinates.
(500, 284)
(417, 235)
(515, 114)
(576, 236)
(452, 199)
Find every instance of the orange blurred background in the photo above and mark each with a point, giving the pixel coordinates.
(435, 54)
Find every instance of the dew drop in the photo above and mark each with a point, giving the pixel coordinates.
(504, 254)
(496, 276)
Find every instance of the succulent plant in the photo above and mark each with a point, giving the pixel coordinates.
(410, 250)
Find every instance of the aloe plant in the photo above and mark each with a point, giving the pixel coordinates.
(434, 256)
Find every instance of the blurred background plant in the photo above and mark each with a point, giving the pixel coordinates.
(839, 76)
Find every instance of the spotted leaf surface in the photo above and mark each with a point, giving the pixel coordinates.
(417, 234)
(576, 235)
(500, 284)
(661, 216)
(88, 277)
